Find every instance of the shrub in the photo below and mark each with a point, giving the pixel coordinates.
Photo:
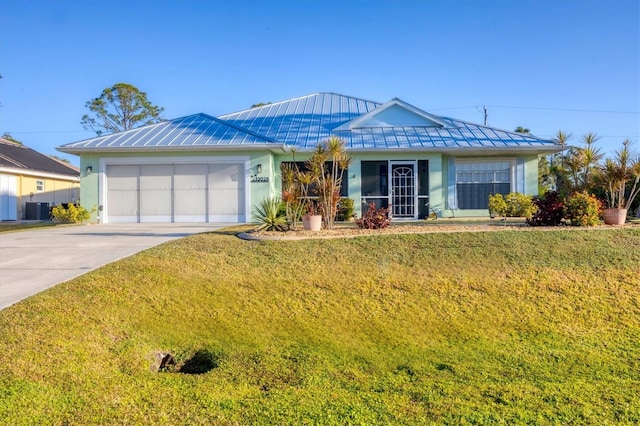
(72, 214)
(583, 209)
(513, 204)
(497, 205)
(549, 210)
(345, 209)
(374, 218)
(270, 216)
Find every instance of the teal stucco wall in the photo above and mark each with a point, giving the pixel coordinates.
(268, 182)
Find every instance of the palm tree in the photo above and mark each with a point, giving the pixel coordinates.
(561, 139)
(557, 163)
(592, 157)
(581, 164)
(327, 166)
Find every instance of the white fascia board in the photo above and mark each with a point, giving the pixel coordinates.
(459, 150)
(276, 147)
(37, 174)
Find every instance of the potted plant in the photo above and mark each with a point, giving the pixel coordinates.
(322, 177)
(616, 175)
(311, 221)
(327, 166)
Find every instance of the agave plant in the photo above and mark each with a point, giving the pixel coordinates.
(269, 216)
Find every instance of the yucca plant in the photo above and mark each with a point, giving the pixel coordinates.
(617, 173)
(295, 192)
(327, 166)
(269, 215)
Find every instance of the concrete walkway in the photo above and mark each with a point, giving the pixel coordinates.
(34, 260)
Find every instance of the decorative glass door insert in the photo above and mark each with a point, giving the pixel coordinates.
(403, 190)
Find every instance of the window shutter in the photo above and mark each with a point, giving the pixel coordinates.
(520, 176)
(452, 198)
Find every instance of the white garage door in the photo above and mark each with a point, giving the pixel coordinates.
(175, 193)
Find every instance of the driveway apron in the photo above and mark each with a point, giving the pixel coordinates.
(35, 260)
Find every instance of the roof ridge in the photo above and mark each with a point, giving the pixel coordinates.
(13, 161)
(129, 130)
(168, 122)
(235, 126)
(298, 98)
(12, 143)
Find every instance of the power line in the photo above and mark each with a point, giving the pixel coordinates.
(540, 108)
(32, 132)
(567, 109)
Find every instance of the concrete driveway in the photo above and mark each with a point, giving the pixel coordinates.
(32, 261)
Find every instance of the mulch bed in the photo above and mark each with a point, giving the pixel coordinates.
(342, 230)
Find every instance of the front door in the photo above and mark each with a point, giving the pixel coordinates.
(403, 190)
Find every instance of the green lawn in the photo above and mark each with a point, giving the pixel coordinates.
(23, 226)
(504, 327)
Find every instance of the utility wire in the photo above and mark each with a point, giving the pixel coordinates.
(541, 109)
(567, 109)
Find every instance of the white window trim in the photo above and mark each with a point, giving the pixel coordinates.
(40, 185)
(512, 172)
(512, 168)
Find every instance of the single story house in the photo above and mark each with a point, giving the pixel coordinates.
(201, 168)
(31, 183)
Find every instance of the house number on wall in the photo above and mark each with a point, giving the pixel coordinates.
(262, 179)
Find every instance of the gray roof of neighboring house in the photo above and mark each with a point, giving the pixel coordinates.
(20, 157)
(303, 122)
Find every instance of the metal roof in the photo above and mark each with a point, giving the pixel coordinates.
(303, 122)
(193, 131)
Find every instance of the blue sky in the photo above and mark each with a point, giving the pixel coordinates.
(546, 65)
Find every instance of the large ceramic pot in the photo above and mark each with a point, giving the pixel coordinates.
(615, 216)
(312, 222)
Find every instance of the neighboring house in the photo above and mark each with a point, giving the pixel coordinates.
(201, 168)
(31, 183)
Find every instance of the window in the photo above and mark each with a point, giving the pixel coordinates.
(476, 180)
(374, 183)
(40, 186)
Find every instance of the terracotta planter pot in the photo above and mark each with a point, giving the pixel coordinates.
(312, 222)
(615, 216)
